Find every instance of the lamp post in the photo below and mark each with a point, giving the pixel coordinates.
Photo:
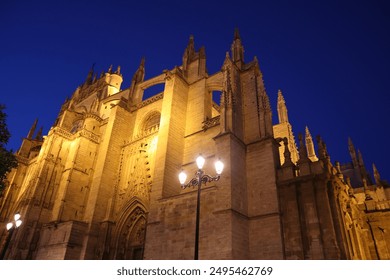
(200, 177)
(11, 226)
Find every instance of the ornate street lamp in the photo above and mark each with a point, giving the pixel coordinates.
(11, 226)
(200, 177)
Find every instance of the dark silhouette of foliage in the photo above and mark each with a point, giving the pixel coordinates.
(7, 158)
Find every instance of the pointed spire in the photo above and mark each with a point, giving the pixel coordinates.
(191, 44)
(138, 77)
(227, 61)
(352, 152)
(362, 167)
(202, 52)
(360, 158)
(377, 176)
(39, 134)
(110, 69)
(88, 81)
(237, 49)
(139, 74)
(32, 129)
(189, 52)
(302, 150)
(310, 145)
(236, 34)
(282, 108)
(321, 148)
(118, 70)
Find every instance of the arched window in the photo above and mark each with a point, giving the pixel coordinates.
(150, 123)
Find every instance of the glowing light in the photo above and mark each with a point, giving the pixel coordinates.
(182, 177)
(17, 216)
(219, 167)
(200, 161)
(18, 223)
(9, 226)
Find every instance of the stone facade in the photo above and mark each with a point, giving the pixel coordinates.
(103, 184)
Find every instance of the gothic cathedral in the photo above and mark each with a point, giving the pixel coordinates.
(103, 183)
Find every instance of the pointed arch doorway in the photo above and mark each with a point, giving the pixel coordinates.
(130, 241)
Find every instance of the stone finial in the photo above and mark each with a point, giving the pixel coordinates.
(191, 42)
(338, 167)
(89, 78)
(310, 145)
(237, 49)
(302, 150)
(352, 153)
(360, 158)
(366, 190)
(287, 154)
(377, 176)
(362, 168)
(189, 52)
(320, 147)
(282, 108)
(139, 74)
(236, 34)
(338, 170)
(322, 151)
(202, 52)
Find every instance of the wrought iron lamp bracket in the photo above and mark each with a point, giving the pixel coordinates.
(200, 178)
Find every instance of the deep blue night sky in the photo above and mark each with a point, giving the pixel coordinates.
(330, 58)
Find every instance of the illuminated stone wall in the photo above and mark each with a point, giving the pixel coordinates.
(103, 183)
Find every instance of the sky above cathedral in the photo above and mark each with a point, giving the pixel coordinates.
(330, 58)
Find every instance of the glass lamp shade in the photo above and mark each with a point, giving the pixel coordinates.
(18, 223)
(219, 167)
(200, 161)
(182, 177)
(17, 216)
(9, 226)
